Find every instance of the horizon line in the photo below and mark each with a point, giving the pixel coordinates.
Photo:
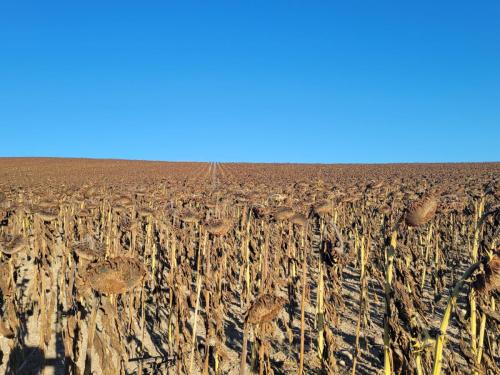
(249, 162)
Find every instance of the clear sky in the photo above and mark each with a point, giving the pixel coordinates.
(284, 81)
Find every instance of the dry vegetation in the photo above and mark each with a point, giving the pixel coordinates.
(122, 267)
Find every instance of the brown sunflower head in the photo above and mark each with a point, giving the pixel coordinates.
(264, 309)
(489, 280)
(115, 275)
(421, 211)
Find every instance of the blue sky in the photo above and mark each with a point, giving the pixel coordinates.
(273, 81)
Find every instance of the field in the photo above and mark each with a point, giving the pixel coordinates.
(130, 267)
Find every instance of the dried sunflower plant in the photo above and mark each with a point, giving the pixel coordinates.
(116, 267)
